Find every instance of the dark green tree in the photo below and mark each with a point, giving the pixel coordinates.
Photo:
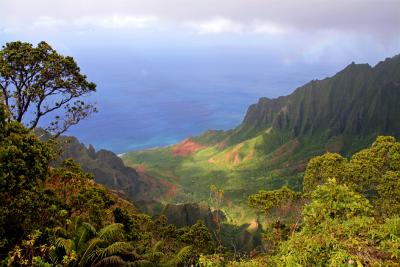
(24, 161)
(36, 81)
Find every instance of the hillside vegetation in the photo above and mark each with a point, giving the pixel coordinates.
(58, 216)
(347, 215)
(277, 137)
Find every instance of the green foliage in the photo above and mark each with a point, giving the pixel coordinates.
(335, 230)
(131, 226)
(266, 200)
(36, 81)
(321, 168)
(185, 257)
(94, 201)
(63, 216)
(199, 236)
(23, 167)
(31, 252)
(373, 172)
(23, 159)
(333, 201)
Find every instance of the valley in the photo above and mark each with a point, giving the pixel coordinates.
(277, 137)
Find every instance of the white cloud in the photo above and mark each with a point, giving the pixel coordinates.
(216, 26)
(265, 27)
(116, 22)
(225, 25)
(47, 22)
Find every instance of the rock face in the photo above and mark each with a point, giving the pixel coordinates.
(359, 100)
(109, 170)
(188, 214)
(243, 238)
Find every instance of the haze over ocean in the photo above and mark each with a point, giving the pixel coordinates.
(164, 75)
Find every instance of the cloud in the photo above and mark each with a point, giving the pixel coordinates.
(116, 22)
(224, 25)
(265, 27)
(216, 26)
(378, 18)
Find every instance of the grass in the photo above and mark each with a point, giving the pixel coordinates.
(267, 161)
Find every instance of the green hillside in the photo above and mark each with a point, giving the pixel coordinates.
(277, 137)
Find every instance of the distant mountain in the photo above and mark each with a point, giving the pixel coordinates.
(360, 100)
(272, 145)
(108, 169)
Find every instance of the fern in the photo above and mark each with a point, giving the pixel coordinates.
(115, 248)
(85, 232)
(90, 252)
(110, 261)
(111, 232)
(184, 256)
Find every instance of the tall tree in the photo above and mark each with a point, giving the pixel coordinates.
(36, 81)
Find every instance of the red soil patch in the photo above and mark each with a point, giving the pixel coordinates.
(233, 155)
(286, 149)
(141, 168)
(185, 148)
(172, 190)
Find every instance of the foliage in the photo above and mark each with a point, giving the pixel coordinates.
(336, 232)
(199, 236)
(23, 167)
(267, 200)
(373, 172)
(329, 165)
(64, 218)
(38, 81)
(31, 252)
(282, 208)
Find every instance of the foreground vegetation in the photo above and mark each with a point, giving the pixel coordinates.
(347, 215)
(58, 216)
(345, 212)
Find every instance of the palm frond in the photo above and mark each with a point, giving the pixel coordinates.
(157, 246)
(85, 232)
(142, 263)
(183, 256)
(66, 244)
(110, 261)
(90, 251)
(115, 248)
(111, 232)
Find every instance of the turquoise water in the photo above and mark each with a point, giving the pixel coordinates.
(149, 103)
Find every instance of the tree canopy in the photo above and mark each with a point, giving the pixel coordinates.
(37, 81)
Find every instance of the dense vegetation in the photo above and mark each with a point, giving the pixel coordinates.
(60, 216)
(344, 211)
(348, 215)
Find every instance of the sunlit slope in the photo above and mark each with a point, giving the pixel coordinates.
(239, 169)
(270, 148)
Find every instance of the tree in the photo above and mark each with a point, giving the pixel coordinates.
(36, 81)
(373, 172)
(23, 167)
(282, 208)
(217, 197)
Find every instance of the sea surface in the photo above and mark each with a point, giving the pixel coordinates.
(161, 99)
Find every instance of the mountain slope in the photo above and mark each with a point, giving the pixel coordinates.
(108, 169)
(272, 145)
(359, 100)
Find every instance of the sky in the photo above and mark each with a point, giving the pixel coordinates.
(168, 69)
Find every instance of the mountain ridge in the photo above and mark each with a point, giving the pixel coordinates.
(271, 146)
